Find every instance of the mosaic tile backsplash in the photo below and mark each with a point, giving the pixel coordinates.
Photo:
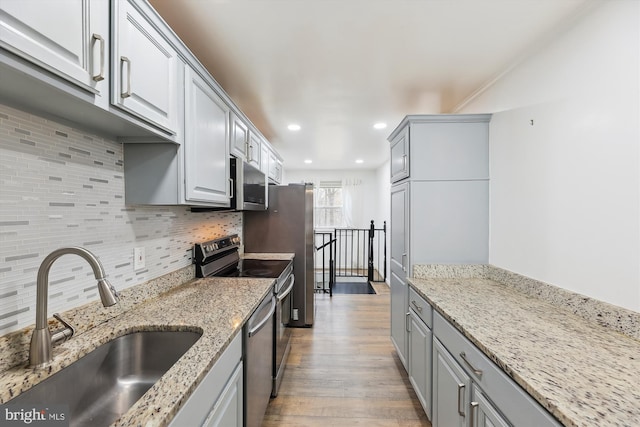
(63, 187)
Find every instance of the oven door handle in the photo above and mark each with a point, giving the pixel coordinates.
(266, 319)
(283, 295)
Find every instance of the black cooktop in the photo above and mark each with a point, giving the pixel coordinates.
(267, 268)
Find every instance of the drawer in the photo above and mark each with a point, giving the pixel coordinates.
(511, 399)
(421, 307)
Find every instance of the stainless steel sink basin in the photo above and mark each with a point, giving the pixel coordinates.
(104, 384)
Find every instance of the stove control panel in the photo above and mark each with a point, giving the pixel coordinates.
(213, 248)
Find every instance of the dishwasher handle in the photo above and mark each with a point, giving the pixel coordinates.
(266, 319)
(283, 295)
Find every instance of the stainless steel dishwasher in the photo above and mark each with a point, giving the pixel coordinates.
(258, 363)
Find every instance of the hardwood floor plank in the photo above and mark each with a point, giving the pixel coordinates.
(344, 371)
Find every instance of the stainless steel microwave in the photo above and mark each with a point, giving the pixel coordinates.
(249, 187)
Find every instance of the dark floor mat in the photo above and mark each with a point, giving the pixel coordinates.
(353, 288)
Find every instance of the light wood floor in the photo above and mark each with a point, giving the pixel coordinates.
(344, 371)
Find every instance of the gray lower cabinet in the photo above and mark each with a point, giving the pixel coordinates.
(471, 390)
(419, 364)
(218, 400)
(483, 412)
(399, 313)
(451, 389)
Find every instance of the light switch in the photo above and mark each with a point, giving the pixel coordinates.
(138, 258)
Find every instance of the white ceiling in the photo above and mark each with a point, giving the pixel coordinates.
(336, 67)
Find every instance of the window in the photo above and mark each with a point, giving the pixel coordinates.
(328, 210)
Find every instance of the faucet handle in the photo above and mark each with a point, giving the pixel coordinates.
(62, 334)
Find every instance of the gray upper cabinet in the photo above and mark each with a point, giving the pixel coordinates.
(116, 68)
(264, 157)
(239, 136)
(446, 200)
(275, 168)
(254, 150)
(206, 142)
(144, 68)
(194, 173)
(441, 147)
(400, 155)
(69, 39)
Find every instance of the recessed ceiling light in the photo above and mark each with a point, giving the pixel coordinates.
(308, 161)
(359, 161)
(380, 125)
(293, 127)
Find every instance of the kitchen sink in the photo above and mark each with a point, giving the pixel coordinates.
(101, 386)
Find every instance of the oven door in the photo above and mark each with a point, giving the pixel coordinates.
(282, 332)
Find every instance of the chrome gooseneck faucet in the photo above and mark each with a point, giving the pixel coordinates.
(42, 339)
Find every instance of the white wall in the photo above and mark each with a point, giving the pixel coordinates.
(367, 194)
(565, 190)
(383, 210)
(374, 195)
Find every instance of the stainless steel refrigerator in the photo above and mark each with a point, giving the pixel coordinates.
(287, 226)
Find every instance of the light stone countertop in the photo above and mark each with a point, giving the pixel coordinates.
(581, 372)
(265, 255)
(216, 307)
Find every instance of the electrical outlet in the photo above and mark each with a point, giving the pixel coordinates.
(138, 258)
(294, 316)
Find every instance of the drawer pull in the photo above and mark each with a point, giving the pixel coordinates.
(474, 410)
(477, 372)
(124, 59)
(100, 75)
(415, 304)
(461, 399)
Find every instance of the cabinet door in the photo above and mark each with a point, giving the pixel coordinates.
(264, 158)
(239, 137)
(228, 411)
(451, 389)
(420, 338)
(206, 165)
(400, 156)
(144, 68)
(68, 38)
(400, 229)
(484, 413)
(275, 169)
(254, 150)
(399, 312)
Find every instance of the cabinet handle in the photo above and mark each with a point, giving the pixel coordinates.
(404, 256)
(404, 162)
(100, 75)
(406, 324)
(231, 187)
(474, 410)
(415, 304)
(461, 399)
(124, 59)
(477, 372)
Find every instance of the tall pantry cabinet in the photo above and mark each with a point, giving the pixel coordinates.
(439, 202)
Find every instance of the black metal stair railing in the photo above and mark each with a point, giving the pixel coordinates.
(351, 252)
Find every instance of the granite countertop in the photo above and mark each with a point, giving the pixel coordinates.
(216, 307)
(582, 373)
